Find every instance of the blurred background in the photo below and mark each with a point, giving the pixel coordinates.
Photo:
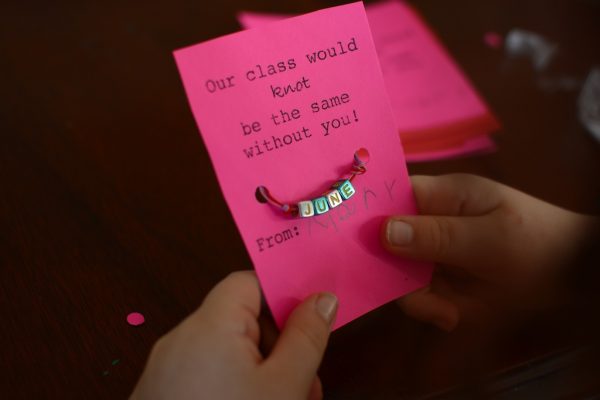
(109, 204)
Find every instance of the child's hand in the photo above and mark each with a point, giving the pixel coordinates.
(496, 245)
(214, 354)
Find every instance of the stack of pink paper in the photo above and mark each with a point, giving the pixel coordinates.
(438, 112)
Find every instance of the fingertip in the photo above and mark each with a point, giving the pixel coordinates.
(426, 306)
(237, 280)
(421, 186)
(419, 179)
(239, 291)
(243, 277)
(449, 322)
(447, 319)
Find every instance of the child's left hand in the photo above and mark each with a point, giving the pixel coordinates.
(214, 354)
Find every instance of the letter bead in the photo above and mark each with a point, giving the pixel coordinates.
(320, 205)
(334, 198)
(345, 188)
(337, 193)
(306, 209)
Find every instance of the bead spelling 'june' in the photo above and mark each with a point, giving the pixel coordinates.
(339, 192)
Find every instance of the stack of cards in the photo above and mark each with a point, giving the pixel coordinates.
(438, 113)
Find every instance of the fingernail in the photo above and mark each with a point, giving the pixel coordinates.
(399, 233)
(326, 306)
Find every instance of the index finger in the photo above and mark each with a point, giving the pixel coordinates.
(456, 194)
(234, 304)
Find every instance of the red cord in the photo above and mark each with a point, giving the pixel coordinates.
(358, 168)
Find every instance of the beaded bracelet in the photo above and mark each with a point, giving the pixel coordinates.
(338, 192)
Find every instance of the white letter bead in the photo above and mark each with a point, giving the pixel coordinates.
(306, 209)
(334, 198)
(320, 205)
(345, 188)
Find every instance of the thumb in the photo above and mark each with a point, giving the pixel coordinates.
(300, 347)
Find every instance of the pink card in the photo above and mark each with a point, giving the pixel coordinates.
(286, 106)
(426, 88)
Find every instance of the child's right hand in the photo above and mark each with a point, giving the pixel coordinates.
(494, 243)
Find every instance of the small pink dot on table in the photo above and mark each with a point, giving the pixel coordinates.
(135, 319)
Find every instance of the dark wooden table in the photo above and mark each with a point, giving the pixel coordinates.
(108, 201)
